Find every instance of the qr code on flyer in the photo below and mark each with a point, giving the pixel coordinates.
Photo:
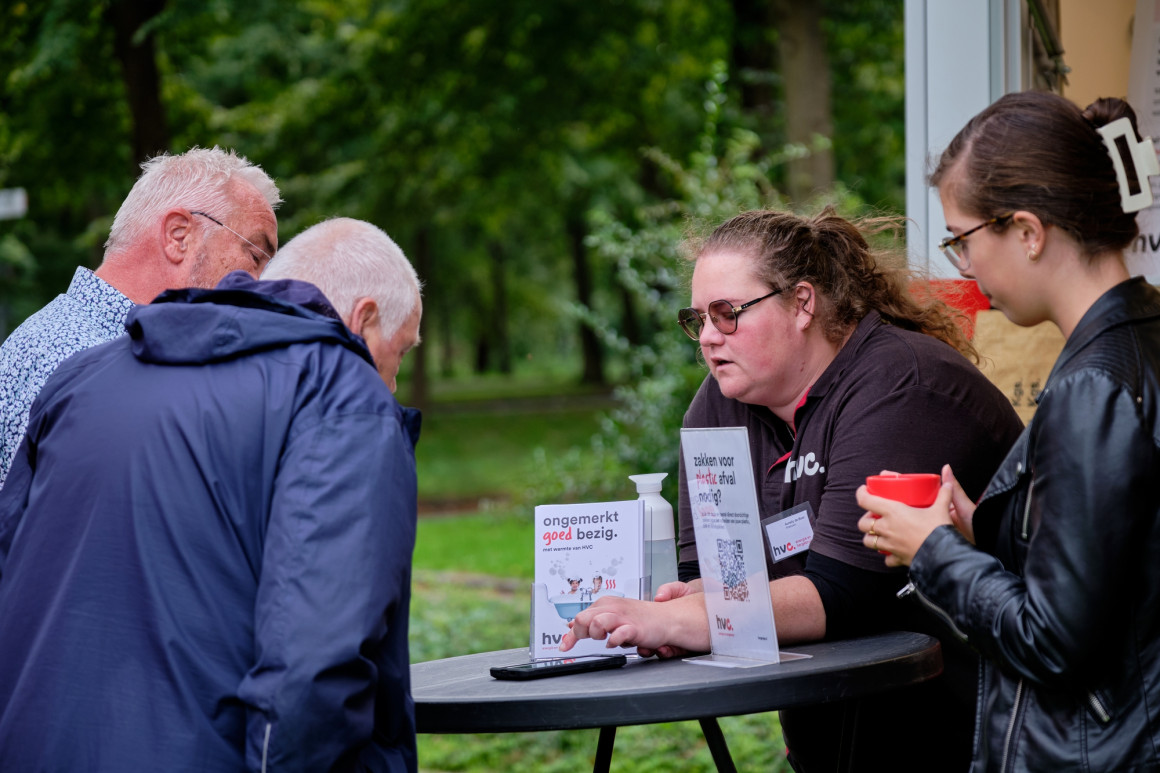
(731, 556)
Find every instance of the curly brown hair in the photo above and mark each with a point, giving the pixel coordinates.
(851, 280)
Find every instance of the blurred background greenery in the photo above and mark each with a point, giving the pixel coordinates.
(541, 163)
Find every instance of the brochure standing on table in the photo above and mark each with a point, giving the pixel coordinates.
(730, 549)
(583, 552)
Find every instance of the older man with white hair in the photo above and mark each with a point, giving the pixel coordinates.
(188, 221)
(386, 316)
(206, 538)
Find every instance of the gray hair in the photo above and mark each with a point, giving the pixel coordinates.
(347, 260)
(198, 179)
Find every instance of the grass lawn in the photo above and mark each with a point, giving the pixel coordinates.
(487, 452)
(496, 543)
(489, 387)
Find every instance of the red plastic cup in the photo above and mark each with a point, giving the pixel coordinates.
(917, 489)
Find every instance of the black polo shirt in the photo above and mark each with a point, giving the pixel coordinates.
(892, 399)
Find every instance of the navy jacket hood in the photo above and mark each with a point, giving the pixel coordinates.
(192, 326)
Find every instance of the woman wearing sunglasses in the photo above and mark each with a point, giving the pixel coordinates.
(1054, 575)
(817, 346)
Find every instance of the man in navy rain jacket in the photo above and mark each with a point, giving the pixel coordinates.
(206, 536)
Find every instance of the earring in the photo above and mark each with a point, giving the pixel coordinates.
(1032, 254)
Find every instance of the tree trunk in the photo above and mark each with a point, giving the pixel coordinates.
(482, 351)
(753, 55)
(499, 307)
(446, 346)
(420, 385)
(589, 344)
(630, 326)
(140, 74)
(805, 70)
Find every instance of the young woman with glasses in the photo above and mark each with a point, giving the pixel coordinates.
(1054, 574)
(818, 347)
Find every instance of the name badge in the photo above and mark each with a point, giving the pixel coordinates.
(789, 533)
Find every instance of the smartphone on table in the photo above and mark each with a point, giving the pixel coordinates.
(538, 669)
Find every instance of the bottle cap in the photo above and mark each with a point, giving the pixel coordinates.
(649, 482)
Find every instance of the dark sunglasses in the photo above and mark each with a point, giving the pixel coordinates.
(723, 314)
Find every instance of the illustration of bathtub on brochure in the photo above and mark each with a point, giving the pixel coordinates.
(568, 605)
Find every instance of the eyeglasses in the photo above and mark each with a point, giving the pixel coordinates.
(955, 247)
(723, 313)
(257, 262)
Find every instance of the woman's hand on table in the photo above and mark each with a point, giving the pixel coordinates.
(667, 630)
(668, 592)
(676, 590)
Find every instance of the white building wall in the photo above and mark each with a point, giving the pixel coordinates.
(961, 55)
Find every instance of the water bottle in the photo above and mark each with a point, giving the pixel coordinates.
(660, 546)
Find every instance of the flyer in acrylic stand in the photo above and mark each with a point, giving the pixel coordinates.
(730, 549)
(583, 552)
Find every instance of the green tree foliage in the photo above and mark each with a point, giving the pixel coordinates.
(492, 126)
(63, 137)
(866, 42)
(650, 248)
(731, 171)
(494, 140)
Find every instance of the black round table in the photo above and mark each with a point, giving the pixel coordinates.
(458, 695)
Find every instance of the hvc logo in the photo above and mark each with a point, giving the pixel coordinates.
(781, 550)
(805, 465)
(723, 623)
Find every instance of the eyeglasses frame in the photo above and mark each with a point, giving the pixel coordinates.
(947, 245)
(702, 315)
(267, 255)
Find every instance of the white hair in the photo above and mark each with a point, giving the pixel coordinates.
(347, 260)
(198, 179)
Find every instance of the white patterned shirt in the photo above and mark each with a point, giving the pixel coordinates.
(90, 313)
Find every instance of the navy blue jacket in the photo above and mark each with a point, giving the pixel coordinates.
(205, 548)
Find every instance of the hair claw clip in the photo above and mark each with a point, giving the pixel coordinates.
(1143, 155)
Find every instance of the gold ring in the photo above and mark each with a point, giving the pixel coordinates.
(872, 533)
(876, 541)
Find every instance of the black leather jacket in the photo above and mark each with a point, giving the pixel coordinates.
(1065, 602)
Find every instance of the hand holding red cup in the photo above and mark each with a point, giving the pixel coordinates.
(917, 489)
